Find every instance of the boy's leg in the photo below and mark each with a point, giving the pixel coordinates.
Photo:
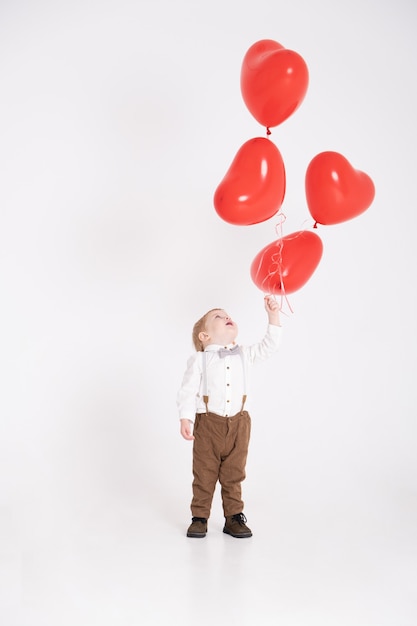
(232, 470)
(208, 436)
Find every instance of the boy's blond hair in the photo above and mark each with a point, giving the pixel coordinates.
(199, 326)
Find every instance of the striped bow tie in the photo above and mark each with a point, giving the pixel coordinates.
(229, 351)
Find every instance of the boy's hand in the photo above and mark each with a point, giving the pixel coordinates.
(272, 308)
(186, 429)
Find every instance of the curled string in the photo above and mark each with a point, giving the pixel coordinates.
(277, 261)
(269, 281)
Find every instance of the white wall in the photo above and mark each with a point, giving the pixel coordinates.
(117, 122)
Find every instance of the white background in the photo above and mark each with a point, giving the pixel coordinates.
(117, 122)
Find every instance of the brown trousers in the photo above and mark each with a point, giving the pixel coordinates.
(220, 451)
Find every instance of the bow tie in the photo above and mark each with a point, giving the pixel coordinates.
(229, 351)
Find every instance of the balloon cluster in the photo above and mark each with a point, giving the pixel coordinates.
(273, 82)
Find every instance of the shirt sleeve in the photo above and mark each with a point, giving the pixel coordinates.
(267, 347)
(190, 387)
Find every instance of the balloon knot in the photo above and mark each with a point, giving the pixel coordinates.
(268, 132)
(315, 225)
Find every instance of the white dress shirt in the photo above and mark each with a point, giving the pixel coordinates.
(227, 377)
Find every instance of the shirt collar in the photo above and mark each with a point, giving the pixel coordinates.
(214, 347)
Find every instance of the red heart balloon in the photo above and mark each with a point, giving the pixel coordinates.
(273, 81)
(285, 265)
(253, 188)
(335, 191)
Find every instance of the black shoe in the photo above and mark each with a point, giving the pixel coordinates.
(198, 527)
(236, 526)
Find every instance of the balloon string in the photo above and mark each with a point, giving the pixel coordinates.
(303, 224)
(277, 261)
(276, 268)
(279, 231)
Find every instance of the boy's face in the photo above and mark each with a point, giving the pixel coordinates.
(219, 329)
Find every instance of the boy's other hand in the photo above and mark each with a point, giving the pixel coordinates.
(187, 429)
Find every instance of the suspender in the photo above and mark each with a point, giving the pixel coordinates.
(205, 383)
(205, 387)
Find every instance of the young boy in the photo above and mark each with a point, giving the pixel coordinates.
(211, 403)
